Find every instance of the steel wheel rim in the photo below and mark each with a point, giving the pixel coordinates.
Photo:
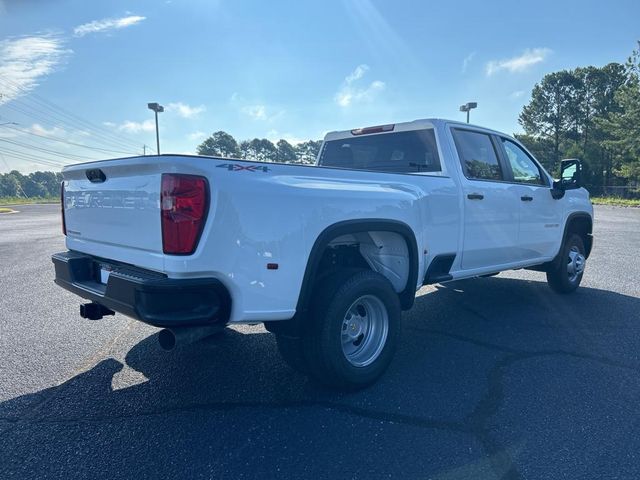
(365, 328)
(575, 265)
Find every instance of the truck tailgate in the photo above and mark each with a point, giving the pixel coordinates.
(116, 214)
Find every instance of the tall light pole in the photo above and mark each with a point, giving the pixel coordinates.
(157, 108)
(467, 107)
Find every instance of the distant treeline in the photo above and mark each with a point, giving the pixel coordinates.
(221, 144)
(591, 113)
(36, 184)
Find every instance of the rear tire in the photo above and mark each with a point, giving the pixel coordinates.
(565, 275)
(353, 331)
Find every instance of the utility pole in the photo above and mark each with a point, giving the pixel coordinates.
(144, 150)
(157, 108)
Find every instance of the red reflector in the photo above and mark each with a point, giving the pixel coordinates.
(184, 200)
(376, 129)
(64, 223)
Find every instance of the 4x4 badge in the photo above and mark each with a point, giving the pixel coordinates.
(236, 167)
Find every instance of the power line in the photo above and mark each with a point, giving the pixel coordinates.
(61, 112)
(69, 118)
(32, 158)
(33, 113)
(53, 161)
(58, 139)
(49, 151)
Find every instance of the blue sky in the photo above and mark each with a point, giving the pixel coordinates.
(278, 69)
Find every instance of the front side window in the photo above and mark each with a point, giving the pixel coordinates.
(523, 167)
(478, 157)
(401, 152)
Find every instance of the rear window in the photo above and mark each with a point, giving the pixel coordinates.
(399, 152)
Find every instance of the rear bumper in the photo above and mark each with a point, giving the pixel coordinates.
(147, 296)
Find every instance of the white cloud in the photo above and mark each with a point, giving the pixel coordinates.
(257, 112)
(516, 94)
(40, 130)
(26, 60)
(350, 93)
(274, 136)
(466, 61)
(529, 58)
(261, 112)
(184, 110)
(137, 127)
(107, 24)
(357, 74)
(196, 135)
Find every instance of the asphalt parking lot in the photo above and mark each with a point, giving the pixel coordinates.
(495, 378)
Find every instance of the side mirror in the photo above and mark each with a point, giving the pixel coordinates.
(571, 174)
(570, 177)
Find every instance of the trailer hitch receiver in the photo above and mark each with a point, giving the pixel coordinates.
(94, 311)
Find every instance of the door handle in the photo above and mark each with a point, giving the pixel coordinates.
(475, 196)
(526, 198)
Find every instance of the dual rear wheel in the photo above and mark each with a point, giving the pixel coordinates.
(352, 332)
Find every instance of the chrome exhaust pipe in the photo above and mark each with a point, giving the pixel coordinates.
(171, 338)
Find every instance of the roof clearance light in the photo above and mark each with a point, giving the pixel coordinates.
(376, 129)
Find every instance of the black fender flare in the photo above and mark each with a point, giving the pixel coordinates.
(407, 296)
(588, 238)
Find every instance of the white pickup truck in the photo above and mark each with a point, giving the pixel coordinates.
(326, 255)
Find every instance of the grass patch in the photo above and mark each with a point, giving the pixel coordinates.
(26, 201)
(620, 202)
(5, 210)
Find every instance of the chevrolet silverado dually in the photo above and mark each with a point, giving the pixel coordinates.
(327, 255)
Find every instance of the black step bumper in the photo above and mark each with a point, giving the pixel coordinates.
(148, 296)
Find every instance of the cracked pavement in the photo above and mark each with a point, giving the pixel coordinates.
(494, 378)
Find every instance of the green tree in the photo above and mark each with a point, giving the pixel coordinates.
(596, 100)
(9, 185)
(551, 113)
(623, 125)
(307, 152)
(48, 180)
(261, 150)
(286, 152)
(32, 188)
(219, 144)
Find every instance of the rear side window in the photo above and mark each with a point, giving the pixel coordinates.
(398, 152)
(477, 154)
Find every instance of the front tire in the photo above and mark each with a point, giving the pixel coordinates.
(566, 273)
(354, 330)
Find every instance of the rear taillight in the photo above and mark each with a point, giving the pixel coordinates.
(184, 200)
(64, 223)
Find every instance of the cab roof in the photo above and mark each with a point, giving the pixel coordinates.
(405, 126)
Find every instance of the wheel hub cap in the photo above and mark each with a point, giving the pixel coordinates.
(576, 263)
(364, 330)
